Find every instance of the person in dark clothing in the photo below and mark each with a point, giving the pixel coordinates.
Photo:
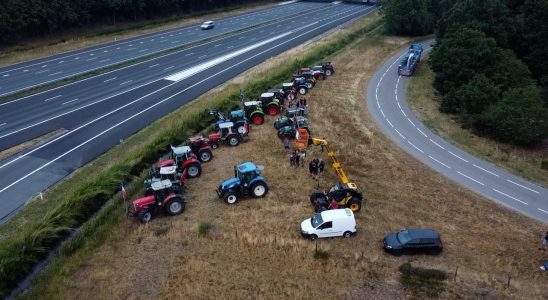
(544, 242)
(311, 167)
(291, 159)
(297, 158)
(315, 164)
(321, 166)
(286, 143)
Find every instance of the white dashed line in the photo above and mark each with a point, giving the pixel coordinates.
(230, 47)
(457, 156)
(542, 210)
(411, 122)
(104, 60)
(3, 124)
(510, 196)
(77, 58)
(415, 147)
(202, 56)
(169, 68)
(40, 72)
(399, 134)
(485, 170)
(143, 50)
(154, 66)
(54, 97)
(126, 82)
(403, 113)
(218, 45)
(436, 144)
(52, 74)
(439, 162)
(69, 101)
(470, 178)
(398, 102)
(189, 54)
(44, 66)
(522, 186)
(111, 79)
(61, 61)
(389, 122)
(422, 132)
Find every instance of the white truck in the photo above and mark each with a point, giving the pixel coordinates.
(329, 223)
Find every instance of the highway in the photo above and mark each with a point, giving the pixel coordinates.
(386, 101)
(97, 113)
(37, 72)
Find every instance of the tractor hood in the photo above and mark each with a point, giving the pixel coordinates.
(229, 183)
(165, 163)
(143, 202)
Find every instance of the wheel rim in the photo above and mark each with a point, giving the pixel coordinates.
(257, 120)
(328, 73)
(302, 91)
(175, 207)
(259, 190)
(231, 199)
(215, 146)
(205, 156)
(241, 130)
(272, 111)
(347, 234)
(233, 141)
(192, 171)
(354, 207)
(309, 85)
(147, 216)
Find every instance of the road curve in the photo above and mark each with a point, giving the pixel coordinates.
(386, 101)
(96, 113)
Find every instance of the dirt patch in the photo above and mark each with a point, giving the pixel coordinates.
(254, 251)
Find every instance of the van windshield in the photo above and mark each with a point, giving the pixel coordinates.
(316, 220)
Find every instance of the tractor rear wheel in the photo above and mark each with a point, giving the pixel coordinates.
(233, 140)
(240, 128)
(273, 109)
(355, 205)
(328, 72)
(258, 120)
(259, 189)
(205, 155)
(175, 206)
(302, 90)
(231, 197)
(145, 216)
(290, 96)
(193, 170)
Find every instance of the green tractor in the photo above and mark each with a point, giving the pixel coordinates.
(254, 112)
(290, 113)
(289, 131)
(270, 103)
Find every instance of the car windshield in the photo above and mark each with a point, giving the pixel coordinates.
(403, 237)
(316, 220)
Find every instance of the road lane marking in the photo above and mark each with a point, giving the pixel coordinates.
(218, 45)
(389, 122)
(69, 101)
(143, 50)
(104, 60)
(470, 178)
(382, 112)
(125, 82)
(411, 122)
(44, 66)
(40, 72)
(439, 162)
(203, 56)
(111, 79)
(537, 192)
(61, 61)
(399, 134)
(405, 115)
(422, 132)
(415, 146)
(54, 97)
(513, 198)
(436, 144)
(171, 67)
(485, 170)
(189, 54)
(155, 65)
(457, 156)
(3, 124)
(56, 73)
(542, 210)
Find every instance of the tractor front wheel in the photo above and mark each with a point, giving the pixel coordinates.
(258, 120)
(302, 90)
(145, 216)
(233, 140)
(175, 206)
(273, 109)
(355, 205)
(193, 170)
(328, 72)
(231, 197)
(240, 128)
(205, 155)
(259, 189)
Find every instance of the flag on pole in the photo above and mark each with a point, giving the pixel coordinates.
(124, 192)
(241, 95)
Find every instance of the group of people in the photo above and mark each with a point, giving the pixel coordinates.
(297, 158)
(301, 102)
(316, 167)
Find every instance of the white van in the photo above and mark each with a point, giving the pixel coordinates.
(208, 25)
(335, 222)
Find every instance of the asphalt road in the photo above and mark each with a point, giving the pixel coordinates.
(386, 100)
(98, 112)
(37, 72)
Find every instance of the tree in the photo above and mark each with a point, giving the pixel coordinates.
(407, 17)
(475, 96)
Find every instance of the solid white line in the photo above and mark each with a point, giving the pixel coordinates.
(470, 178)
(3, 124)
(69, 101)
(398, 102)
(542, 210)
(422, 132)
(399, 134)
(510, 196)
(411, 122)
(61, 61)
(126, 82)
(389, 122)
(457, 156)
(448, 167)
(49, 99)
(485, 170)
(415, 146)
(143, 50)
(537, 192)
(437, 144)
(403, 113)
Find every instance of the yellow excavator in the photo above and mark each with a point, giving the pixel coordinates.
(346, 193)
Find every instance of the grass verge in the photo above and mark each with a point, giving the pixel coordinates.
(424, 101)
(26, 239)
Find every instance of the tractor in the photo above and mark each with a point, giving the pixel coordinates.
(236, 117)
(288, 90)
(184, 159)
(200, 147)
(300, 85)
(326, 67)
(290, 130)
(224, 132)
(278, 94)
(310, 80)
(290, 113)
(270, 103)
(409, 63)
(254, 112)
(166, 173)
(163, 196)
(317, 73)
(247, 181)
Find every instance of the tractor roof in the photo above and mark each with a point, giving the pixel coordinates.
(247, 167)
(168, 170)
(226, 125)
(267, 95)
(249, 103)
(287, 84)
(180, 150)
(160, 185)
(195, 138)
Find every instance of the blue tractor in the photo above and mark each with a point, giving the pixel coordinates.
(247, 182)
(409, 62)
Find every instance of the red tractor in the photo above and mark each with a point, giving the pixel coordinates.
(163, 197)
(224, 132)
(289, 91)
(184, 159)
(166, 173)
(200, 147)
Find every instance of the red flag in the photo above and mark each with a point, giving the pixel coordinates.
(124, 192)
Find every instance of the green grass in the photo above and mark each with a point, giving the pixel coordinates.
(26, 239)
(422, 281)
(423, 99)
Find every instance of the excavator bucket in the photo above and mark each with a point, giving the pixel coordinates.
(301, 139)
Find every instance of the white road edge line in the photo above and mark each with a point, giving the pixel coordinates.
(399, 134)
(485, 170)
(513, 198)
(457, 156)
(537, 192)
(470, 178)
(389, 123)
(542, 210)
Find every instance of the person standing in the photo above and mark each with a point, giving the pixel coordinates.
(291, 159)
(315, 168)
(286, 142)
(303, 158)
(321, 166)
(544, 242)
(297, 158)
(333, 204)
(311, 167)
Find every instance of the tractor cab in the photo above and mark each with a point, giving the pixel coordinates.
(295, 111)
(247, 181)
(200, 147)
(270, 103)
(165, 173)
(182, 153)
(290, 129)
(254, 111)
(327, 68)
(346, 194)
(278, 94)
(224, 131)
(163, 196)
(287, 86)
(416, 49)
(246, 172)
(300, 84)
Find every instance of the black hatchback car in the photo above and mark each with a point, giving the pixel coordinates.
(413, 241)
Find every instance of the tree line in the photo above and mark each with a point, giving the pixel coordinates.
(30, 18)
(490, 61)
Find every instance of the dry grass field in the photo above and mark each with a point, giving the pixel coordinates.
(254, 250)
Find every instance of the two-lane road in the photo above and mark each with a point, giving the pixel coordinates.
(386, 100)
